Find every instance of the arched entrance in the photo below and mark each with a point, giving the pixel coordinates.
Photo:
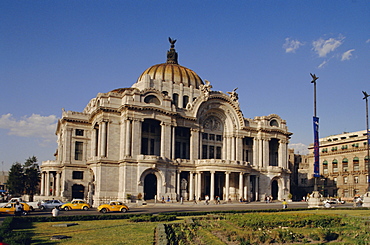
(274, 189)
(150, 186)
(78, 191)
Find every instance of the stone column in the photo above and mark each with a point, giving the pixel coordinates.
(173, 143)
(281, 156)
(260, 153)
(128, 138)
(227, 185)
(266, 153)
(163, 139)
(255, 152)
(103, 139)
(191, 186)
(239, 148)
(47, 183)
(136, 137)
(199, 184)
(57, 184)
(247, 187)
(122, 139)
(257, 188)
(194, 143)
(178, 184)
(233, 148)
(212, 185)
(241, 176)
(42, 183)
(67, 145)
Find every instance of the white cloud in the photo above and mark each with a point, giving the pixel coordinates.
(35, 126)
(323, 47)
(322, 64)
(347, 55)
(291, 46)
(299, 148)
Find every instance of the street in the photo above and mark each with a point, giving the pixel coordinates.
(156, 208)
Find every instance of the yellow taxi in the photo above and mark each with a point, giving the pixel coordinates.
(9, 208)
(113, 206)
(75, 204)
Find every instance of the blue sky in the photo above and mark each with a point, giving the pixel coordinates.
(60, 54)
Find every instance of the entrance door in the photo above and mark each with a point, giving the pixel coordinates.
(78, 191)
(150, 186)
(275, 189)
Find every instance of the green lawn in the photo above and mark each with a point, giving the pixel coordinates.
(216, 229)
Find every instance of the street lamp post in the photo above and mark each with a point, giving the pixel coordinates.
(314, 200)
(368, 141)
(366, 200)
(316, 135)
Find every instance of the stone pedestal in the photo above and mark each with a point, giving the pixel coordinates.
(366, 201)
(315, 200)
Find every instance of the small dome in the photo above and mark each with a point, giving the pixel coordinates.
(171, 71)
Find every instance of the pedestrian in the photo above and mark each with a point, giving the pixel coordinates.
(18, 209)
(207, 199)
(55, 212)
(162, 199)
(285, 204)
(218, 200)
(168, 199)
(182, 200)
(195, 199)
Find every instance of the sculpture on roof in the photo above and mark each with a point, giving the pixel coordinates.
(172, 54)
(234, 95)
(206, 88)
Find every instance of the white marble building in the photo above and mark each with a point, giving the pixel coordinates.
(169, 135)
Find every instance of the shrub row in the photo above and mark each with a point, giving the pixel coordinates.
(13, 238)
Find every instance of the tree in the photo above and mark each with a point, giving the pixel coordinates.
(16, 179)
(24, 179)
(32, 175)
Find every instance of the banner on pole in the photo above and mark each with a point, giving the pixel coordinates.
(316, 148)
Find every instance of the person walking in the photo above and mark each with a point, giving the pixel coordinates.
(55, 212)
(18, 209)
(285, 204)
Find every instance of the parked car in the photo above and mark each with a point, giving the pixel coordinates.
(113, 206)
(76, 204)
(50, 204)
(334, 201)
(9, 208)
(33, 205)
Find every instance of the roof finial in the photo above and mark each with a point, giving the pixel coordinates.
(171, 54)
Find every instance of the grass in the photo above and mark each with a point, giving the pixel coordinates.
(217, 229)
(96, 232)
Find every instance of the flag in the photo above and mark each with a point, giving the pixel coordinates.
(316, 147)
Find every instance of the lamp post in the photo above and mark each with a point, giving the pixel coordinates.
(316, 173)
(368, 141)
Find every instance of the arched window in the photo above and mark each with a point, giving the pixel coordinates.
(152, 99)
(356, 164)
(274, 123)
(345, 165)
(185, 101)
(175, 99)
(212, 138)
(335, 166)
(325, 167)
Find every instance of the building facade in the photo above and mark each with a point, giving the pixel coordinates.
(167, 136)
(343, 165)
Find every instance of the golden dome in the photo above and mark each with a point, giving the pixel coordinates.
(171, 71)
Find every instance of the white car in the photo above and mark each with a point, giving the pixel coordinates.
(50, 204)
